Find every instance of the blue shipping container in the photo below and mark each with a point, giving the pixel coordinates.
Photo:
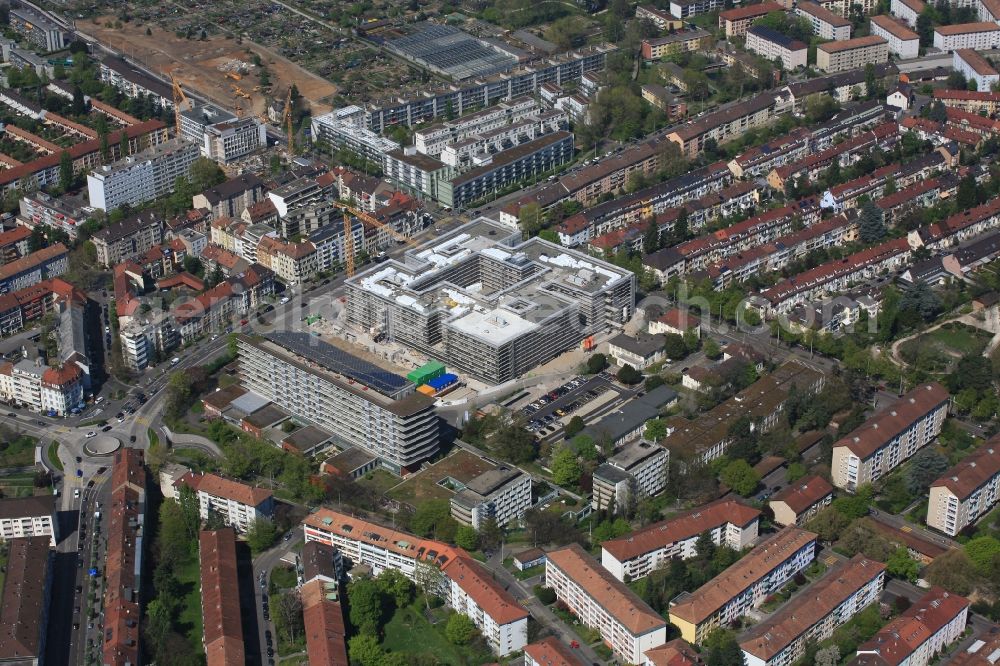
(444, 381)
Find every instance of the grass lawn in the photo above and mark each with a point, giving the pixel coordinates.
(194, 458)
(54, 456)
(18, 485)
(962, 338)
(282, 578)
(189, 619)
(18, 452)
(154, 439)
(942, 347)
(409, 632)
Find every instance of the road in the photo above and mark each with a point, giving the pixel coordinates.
(901, 523)
(262, 566)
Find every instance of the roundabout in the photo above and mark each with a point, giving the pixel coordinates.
(102, 445)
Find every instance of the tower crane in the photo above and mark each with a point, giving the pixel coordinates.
(179, 99)
(287, 118)
(349, 212)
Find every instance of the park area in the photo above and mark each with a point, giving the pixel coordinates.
(939, 350)
(442, 479)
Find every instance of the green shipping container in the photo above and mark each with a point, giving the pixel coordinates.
(426, 372)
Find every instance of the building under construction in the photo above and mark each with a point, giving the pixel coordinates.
(486, 301)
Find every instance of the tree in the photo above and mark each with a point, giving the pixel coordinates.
(828, 656)
(711, 349)
(460, 629)
(546, 595)
(78, 107)
(656, 429)
(205, 174)
(923, 469)
(574, 426)
(901, 565)
(968, 193)
(741, 477)
(364, 649)
(981, 552)
(828, 524)
(861, 537)
(261, 535)
(65, 171)
(288, 619)
(565, 468)
(433, 519)
(953, 571)
(722, 649)
(396, 586)
(651, 239)
(796, 471)
(514, 443)
(871, 227)
(466, 537)
(629, 375)
(925, 27)
(490, 535)
(596, 363)
(673, 345)
(367, 607)
(530, 218)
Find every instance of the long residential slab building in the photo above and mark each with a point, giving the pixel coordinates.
(636, 555)
(967, 491)
(744, 585)
(363, 405)
(602, 602)
(889, 438)
(464, 584)
(920, 634)
(813, 614)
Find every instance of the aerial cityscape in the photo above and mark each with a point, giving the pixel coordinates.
(500, 332)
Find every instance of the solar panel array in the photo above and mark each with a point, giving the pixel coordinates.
(339, 361)
(452, 52)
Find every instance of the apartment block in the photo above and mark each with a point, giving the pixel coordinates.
(638, 470)
(433, 139)
(916, 637)
(980, 36)
(362, 404)
(46, 390)
(729, 523)
(974, 67)
(542, 299)
(144, 176)
(133, 82)
(743, 586)
(23, 517)
(903, 42)
(324, 624)
(220, 599)
(48, 262)
(663, 20)
(814, 613)
(889, 438)
(463, 583)
(132, 236)
(907, 11)
(602, 602)
(656, 48)
(345, 129)
(502, 494)
(688, 8)
(967, 491)
(773, 45)
(852, 54)
(724, 124)
(238, 504)
(39, 209)
(39, 29)
(229, 141)
(801, 500)
(736, 21)
(550, 652)
(231, 198)
(825, 24)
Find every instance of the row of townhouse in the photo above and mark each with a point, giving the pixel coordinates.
(843, 154)
(222, 639)
(814, 613)
(958, 228)
(926, 192)
(729, 523)
(729, 123)
(461, 581)
(972, 101)
(889, 438)
(833, 276)
(20, 308)
(846, 196)
(744, 585)
(967, 491)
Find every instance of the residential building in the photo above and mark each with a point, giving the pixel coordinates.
(725, 124)
(322, 561)
(661, 19)
(814, 613)
(975, 67)
(688, 8)
(325, 628)
(527, 559)
(852, 53)
(908, 11)
(825, 24)
(232, 197)
(24, 517)
(362, 404)
(981, 36)
(502, 494)
(638, 470)
(132, 236)
(46, 390)
(126, 516)
(546, 299)
(345, 129)
(801, 500)
(14, 244)
(232, 140)
(602, 602)
(143, 176)
(903, 42)
(629, 421)
(220, 599)
(967, 491)
(136, 83)
(989, 10)
(729, 523)
(736, 21)
(640, 351)
(463, 583)
(433, 139)
(773, 45)
(550, 651)
(695, 39)
(39, 209)
(677, 652)
(38, 28)
(49, 262)
(25, 601)
(676, 321)
(291, 262)
(744, 585)
(889, 438)
(238, 504)
(919, 634)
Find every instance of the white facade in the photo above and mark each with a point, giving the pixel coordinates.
(966, 492)
(229, 141)
(35, 522)
(792, 53)
(639, 470)
(142, 177)
(503, 494)
(906, 11)
(468, 594)
(975, 67)
(978, 36)
(903, 42)
(825, 24)
(237, 515)
(40, 388)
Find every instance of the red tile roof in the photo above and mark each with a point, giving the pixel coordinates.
(551, 652)
(750, 11)
(480, 585)
(32, 260)
(326, 641)
(15, 235)
(877, 431)
(804, 493)
(966, 28)
(225, 488)
(677, 652)
(901, 637)
(970, 474)
(679, 319)
(220, 604)
(680, 528)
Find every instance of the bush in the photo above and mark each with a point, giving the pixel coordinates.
(545, 594)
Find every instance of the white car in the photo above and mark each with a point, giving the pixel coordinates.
(91, 434)
(76, 493)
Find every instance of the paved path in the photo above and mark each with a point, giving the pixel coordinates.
(192, 441)
(969, 320)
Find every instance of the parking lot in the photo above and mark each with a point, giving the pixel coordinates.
(548, 414)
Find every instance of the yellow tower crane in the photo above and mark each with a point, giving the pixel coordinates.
(287, 118)
(179, 99)
(349, 212)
